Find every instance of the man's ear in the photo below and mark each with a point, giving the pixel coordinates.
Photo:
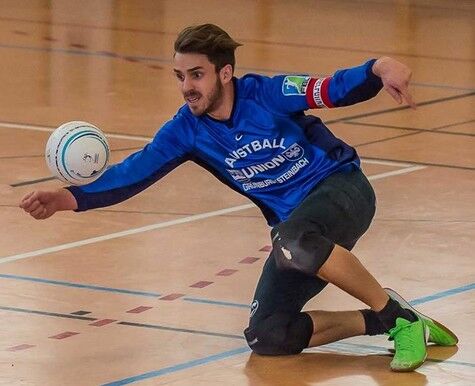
(226, 73)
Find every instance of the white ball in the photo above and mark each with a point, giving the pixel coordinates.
(77, 153)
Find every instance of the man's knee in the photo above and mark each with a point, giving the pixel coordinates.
(280, 334)
(300, 246)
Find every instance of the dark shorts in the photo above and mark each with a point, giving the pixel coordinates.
(342, 206)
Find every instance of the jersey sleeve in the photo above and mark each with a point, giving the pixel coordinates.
(346, 87)
(170, 147)
(294, 93)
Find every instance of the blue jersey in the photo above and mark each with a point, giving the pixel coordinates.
(268, 150)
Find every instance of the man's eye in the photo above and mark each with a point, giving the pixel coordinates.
(180, 77)
(197, 75)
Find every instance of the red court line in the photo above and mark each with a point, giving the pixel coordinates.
(171, 296)
(138, 310)
(226, 272)
(64, 335)
(130, 59)
(102, 322)
(249, 260)
(78, 45)
(201, 284)
(20, 347)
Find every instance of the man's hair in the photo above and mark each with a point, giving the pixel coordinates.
(209, 40)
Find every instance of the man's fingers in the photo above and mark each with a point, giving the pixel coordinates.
(408, 97)
(28, 195)
(394, 93)
(400, 95)
(25, 201)
(43, 215)
(36, 213)
(32, 206)
(39, 204)
(35, 196)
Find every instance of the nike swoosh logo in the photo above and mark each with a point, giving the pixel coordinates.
(286, 253)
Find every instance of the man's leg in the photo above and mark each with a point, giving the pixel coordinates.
(330, 326)
(278, 327)
(345, 271)
(312, 242)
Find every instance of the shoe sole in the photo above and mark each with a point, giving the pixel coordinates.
(405, 304)
(409, 369)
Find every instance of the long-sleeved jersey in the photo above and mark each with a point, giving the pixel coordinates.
(268, 150)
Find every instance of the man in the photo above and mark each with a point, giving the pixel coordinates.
(252, 134)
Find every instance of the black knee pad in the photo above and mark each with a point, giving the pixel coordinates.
(300, 246)
(280, 334)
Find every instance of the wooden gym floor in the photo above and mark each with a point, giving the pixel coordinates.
(156, 290)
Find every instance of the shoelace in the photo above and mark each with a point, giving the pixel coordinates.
(401, 330)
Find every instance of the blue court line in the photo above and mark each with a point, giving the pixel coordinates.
(226, 354)
(424, 299)
(450, 362)
(442, 294)
(217, 303)
(338, 347)
(77, 285)
(356, 347)
(106, 54)
(118, 290)
(380, 350)
(181, 366)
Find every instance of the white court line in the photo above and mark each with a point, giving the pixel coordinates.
(147, 139)
(51, 129)
(395, 172)
(386, 163)
(125, 233)
(165, 224)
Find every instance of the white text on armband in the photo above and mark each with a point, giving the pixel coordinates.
(317, 93)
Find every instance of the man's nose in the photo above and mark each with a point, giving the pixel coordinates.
(186, 85)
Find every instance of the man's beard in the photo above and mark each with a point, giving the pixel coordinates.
(215, 97)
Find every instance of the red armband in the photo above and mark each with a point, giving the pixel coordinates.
(317, 93)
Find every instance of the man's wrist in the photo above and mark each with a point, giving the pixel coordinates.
(378, 66)
(66, 201)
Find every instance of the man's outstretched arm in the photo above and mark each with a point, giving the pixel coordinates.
(346, 87)
(357, 84)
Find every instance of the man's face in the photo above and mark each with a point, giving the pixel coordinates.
(199, 83)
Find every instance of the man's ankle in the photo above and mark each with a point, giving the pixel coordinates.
(393, 310)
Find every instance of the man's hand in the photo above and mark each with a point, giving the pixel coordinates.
(395, 77)
(43, 204)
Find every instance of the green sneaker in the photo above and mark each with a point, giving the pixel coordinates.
(409, 344)
(438, 333)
